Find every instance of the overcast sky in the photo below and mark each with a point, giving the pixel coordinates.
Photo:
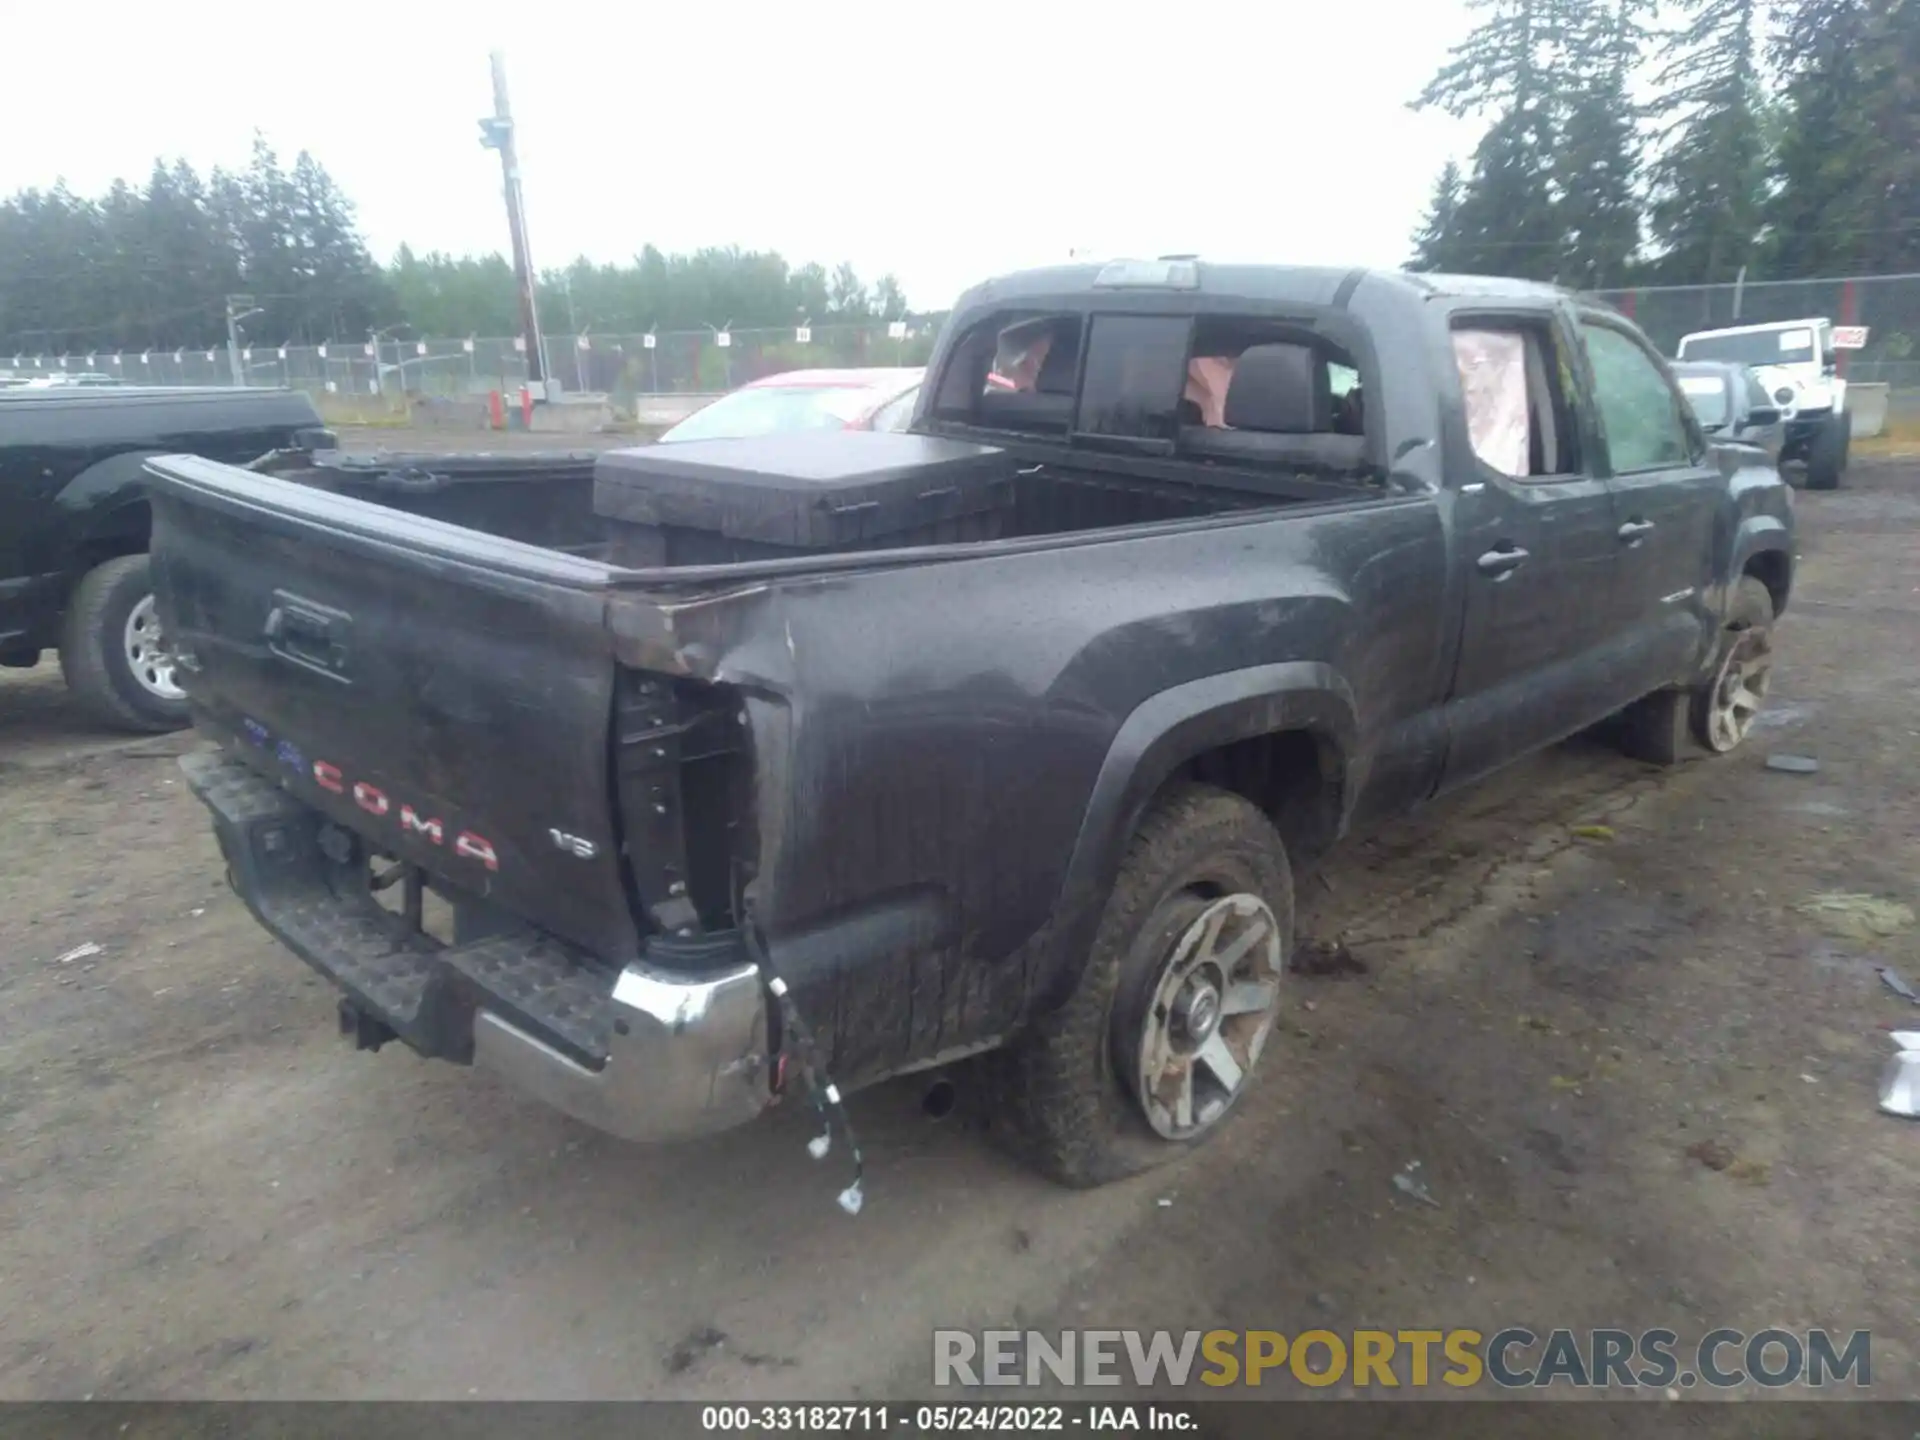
(944, 144)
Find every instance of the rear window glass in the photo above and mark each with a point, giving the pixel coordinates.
(1136, 371)
(1239, 390)
(1015, 370)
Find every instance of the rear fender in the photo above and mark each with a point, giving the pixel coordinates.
(1157, 739)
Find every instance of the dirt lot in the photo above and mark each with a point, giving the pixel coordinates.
(206, 1194)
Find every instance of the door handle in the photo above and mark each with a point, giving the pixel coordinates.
(1500, 563)
(310, 635)
(1635, 530)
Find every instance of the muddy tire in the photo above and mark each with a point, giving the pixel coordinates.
(1164, 1032)
(111, 650)
(1724, 707)
(1827, 453)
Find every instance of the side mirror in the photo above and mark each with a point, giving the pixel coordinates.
(1763, 415)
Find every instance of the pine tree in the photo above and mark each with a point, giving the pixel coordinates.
(1508, 223)
(343, 291)
(1436, 244)
(1597, 159)
(889, 300)
(847, 295)
(1551, 192)
(1825, 208)
(1709, 184)
(1890, 77)
(1506, 219)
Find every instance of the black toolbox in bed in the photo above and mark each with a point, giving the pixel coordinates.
(712, 502)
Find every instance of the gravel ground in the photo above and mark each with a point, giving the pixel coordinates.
(1640, 1083)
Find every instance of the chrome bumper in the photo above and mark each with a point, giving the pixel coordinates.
(687, 1056)
(649, 1054)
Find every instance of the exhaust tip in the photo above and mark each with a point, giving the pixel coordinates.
(938, 1102)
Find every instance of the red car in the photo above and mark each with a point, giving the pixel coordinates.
(873, 399)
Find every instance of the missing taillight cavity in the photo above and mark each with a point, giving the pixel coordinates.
(685, 781)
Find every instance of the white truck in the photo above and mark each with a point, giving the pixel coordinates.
(1796, 362)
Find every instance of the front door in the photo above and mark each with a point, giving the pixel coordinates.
(1534, 529)
(1667, 488)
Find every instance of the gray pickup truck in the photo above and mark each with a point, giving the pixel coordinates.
(813, 760)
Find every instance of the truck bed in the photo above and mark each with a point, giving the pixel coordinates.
(557, 501)
(644, 763)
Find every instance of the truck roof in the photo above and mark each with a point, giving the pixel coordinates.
(1284, 284)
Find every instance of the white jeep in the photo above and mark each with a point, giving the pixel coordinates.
(1796, 364)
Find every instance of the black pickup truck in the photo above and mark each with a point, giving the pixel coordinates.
(811, 760)
(74, 524)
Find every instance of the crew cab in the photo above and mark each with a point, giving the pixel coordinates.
(74, 525)
(1798, 366)
(815, 759)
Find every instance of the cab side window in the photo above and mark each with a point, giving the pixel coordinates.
(1514, 384)
(1638, 409)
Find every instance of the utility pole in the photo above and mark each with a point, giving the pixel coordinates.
(496, 133)
(239, 307)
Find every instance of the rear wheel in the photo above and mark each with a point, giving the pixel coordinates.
(1724, 709)
(1670, 726)
(1173, 1013)
(114, 653)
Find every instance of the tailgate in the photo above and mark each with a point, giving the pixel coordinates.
(444, 693)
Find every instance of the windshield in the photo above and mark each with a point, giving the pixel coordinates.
(1762, 347)
(773, 410)
(1708, 396)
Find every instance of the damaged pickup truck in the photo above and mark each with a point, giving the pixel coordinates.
(790, 764)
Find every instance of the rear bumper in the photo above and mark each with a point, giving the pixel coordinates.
(648, 1053)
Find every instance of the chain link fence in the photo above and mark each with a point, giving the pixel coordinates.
(1888, 305)
(706, 361)
(710, 361)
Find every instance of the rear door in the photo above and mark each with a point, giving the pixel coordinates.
(1533, 524)
(444, 694)
(1667, 488)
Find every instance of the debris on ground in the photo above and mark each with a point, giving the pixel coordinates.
(1900, 1085)
(1724, 1159)
(1865, 918)
(1593, 832)
(1536, 1022)
(1712, 1154)
(79, 952)
(1897, 983)
(1409, 1181)
(1325, 958)
(698, 1343)
(1793, 764)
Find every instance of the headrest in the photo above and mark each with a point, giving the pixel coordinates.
(1057, 370)
(1280, 389)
